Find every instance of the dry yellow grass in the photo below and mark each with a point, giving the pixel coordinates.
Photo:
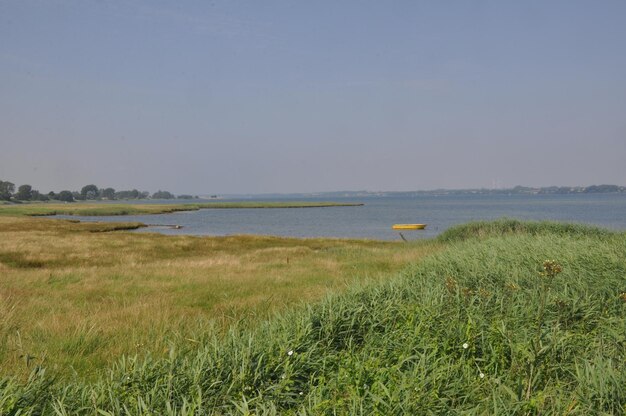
(96, 208)
(74, 299)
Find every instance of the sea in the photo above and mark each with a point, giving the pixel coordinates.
(374, 219)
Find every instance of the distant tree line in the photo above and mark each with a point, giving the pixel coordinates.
(90, 192)
(518, 190)
(562, 190)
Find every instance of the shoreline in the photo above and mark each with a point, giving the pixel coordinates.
(100, 209)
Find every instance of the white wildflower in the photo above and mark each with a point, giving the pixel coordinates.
(290, 352)
(481, 375)
(465, 346)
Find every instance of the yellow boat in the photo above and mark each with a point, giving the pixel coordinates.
(408, 226)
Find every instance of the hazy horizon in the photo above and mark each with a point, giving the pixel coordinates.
(282, 97)
(261, 194)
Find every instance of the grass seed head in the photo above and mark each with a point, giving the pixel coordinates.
(551, 268)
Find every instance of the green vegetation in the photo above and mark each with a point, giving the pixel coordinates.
(163, 195)
(96, 209)
(503, 227)
(87, 193)
(6, 190)
(74, 297)
(507, 318)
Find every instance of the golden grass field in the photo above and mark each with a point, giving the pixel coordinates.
(76, 296)
(101, 209)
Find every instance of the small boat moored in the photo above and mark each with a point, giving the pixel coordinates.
(408, 226)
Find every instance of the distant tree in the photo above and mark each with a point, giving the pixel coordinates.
(185, 197)
(144, 195)
(78, 196)
(65, 196)
(24, 193)
(38, 196)
(596, 189)
(52, 195)
(89, 192)
(134, 194)
(108, 193)
(162, 195)
(6, 190)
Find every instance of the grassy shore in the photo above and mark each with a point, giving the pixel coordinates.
(100, 209)
(74, 297)
(500, 318)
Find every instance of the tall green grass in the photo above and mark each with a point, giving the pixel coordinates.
(507, 226)
(481, 328)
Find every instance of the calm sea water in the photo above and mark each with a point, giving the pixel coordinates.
(374, 219)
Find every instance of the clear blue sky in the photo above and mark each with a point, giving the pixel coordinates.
(294, 96)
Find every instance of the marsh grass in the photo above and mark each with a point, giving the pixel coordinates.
(459, 332)
(112, 209)
(81, 296)
(509, 226)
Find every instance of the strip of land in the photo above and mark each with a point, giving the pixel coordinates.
(95, 209)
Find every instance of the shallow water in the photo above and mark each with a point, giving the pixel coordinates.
(374, 219)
